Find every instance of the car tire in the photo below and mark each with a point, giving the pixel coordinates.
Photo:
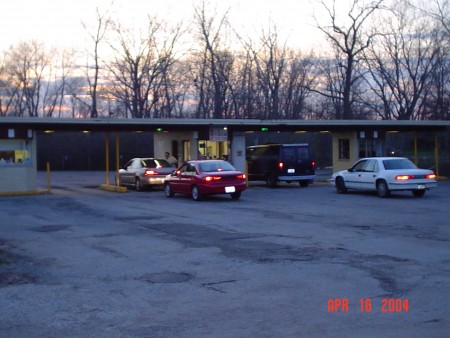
(382, 189)
(235, 195)
(195, 193)
(168, 190)
(303, 184)
(340, 185)
(137, 184)
(418, 193)
(272, 181)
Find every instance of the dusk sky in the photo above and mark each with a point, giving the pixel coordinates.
(58, 22)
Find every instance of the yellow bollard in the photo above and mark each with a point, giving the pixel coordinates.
(49, 186)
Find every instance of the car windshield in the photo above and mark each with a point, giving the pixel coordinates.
(215, 166)
(399, 163)
(156, 163)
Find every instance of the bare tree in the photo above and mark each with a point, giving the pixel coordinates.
(400, 63)
(7, 90)
(436, 104)
(26, 64)
(349, 40)
(97, 35)
(270, 63)
(297, 84)
(141, 68)
(216, 62)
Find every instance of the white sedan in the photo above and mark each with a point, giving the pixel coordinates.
(383, 175)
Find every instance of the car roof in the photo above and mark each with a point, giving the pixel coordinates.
(384, 158)
(205, 161)
(280, 145)
(149, 158)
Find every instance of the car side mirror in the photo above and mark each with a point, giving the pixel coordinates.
(350, 170)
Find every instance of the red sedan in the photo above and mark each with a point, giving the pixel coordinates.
(209, 177)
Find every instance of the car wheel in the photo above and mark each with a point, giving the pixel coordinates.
(303, 184)
(235, 195)
(418, 193)
(138, 185)
(340, 185)
(382, 189)
(195, 192)
(168, 190)
(272, 181)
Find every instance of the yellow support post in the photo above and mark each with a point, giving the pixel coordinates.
(107, 186)
(117, 159)
(436, 154)
(107, 158)
(49, 185)
(416, 159)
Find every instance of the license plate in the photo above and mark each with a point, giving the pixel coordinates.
(230, 189)
(291, 171)
(421, 186)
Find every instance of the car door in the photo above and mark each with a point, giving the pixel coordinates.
(353, 175)
(187, 178)
(136, 165)
(368, 175)
(179, 180)
(125, 173)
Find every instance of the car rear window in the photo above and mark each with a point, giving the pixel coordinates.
(163, 164)
(294, 153)
(156, 163)
(398, 164)
(216, 166)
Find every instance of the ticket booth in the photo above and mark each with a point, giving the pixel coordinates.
(350, 146)
(18, 160)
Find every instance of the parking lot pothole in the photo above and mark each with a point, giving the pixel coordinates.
(167, 277)
(50, 228)
(11, 278)
(139, 218)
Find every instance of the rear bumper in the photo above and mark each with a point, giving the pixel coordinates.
(297, 178)
(213, 189)
(419, 185)
(153, 180)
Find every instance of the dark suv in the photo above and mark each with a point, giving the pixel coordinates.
(281, 162)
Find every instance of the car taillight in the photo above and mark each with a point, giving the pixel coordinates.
(280, 165)
(403, 177)
(150, 172)
(431, 176)
(212, 178)
(313, 164)
(241, 177)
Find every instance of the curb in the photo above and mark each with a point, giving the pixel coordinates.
(113, 188)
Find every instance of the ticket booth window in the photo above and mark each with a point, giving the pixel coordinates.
(344, 149)
(15, 152)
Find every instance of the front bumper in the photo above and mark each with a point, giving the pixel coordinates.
(287, 178)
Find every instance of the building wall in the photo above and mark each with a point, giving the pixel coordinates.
(163, 142)
(344, 162)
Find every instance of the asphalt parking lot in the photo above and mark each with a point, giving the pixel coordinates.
(285, 262)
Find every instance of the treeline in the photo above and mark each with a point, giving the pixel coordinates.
(382, 60)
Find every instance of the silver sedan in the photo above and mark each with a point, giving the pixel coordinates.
(144, 172)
